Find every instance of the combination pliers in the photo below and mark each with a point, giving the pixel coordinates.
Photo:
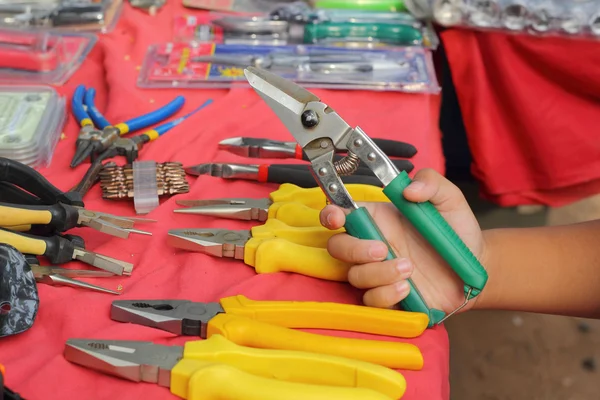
(97, 134)
(322, 133)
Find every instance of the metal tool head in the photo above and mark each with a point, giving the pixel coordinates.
(116, 267)
(215, 242)
(242, 209)
(222, 170)
(134, 361)
(111, 224)
(39, 271)
(180, 317)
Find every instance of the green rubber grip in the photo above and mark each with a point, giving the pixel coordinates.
(360, 224)
(364, 5)
(397, 34)
(434, 228)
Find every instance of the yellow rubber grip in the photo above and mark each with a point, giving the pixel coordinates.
(11, 216)
(334, 316)
(313, 236)
(123, 128)
(315, 198)
(295, 214)
(23, 244)
(86, 122)
(279, 255)
(152, 134)
(297, 366)
(202, 380)
(17, 228)
(248, 332)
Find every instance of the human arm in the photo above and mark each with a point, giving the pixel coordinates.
(548, 269)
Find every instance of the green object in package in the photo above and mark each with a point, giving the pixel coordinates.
(363, 5)
(396, 34)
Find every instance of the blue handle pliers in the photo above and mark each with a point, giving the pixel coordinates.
(97, 134)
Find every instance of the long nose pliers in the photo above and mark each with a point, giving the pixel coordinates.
(97, 134)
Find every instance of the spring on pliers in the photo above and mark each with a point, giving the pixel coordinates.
(347, 165)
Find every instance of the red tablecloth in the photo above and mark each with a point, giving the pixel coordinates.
(34, 361)
(530, 107)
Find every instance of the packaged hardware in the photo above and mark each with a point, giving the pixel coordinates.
(289, 25)
(210, 65)
(32, 119)
(576, 19)
(240, 6)
(69, 15)
(42, 57)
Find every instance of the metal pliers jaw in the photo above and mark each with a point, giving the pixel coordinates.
(321, 132)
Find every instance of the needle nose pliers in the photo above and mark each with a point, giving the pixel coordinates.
(97, 134)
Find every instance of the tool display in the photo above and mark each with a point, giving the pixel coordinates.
(58, 276)
(291, 204)
(195, 65)
(117, 181)
(41, 57)
(207, 369)
(60, 14)
(321, 131)
(32, 118)
(97, 134)
(257, 329)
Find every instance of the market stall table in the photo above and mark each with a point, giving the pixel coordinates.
(34, 362)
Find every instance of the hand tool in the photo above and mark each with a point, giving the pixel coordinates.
(57, 276)
(261, 209)
(91, 141)
(216, 369)
(264, 255)
(130, 147)
(297, 175)
(321, 131)
(60, 250)
(258, 326)
(267, 148)
(370, 5)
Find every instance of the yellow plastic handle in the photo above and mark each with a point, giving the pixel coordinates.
(334, 316)
(279, 255)
(18, 228)
(313, 236)
(10, 216)
(248, 332)
(315, 198)
(295, 214)
(23, 244)
(298, 366)
(201, 380)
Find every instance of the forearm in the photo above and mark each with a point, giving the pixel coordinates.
(552, 270)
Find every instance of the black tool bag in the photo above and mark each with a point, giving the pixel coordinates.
(19, 299)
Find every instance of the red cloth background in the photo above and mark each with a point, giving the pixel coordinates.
(531, 108)
(34, 361)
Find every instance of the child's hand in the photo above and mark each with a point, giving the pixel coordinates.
(385, 281)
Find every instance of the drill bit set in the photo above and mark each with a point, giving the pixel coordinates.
(117, 182)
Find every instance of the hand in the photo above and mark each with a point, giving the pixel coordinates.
(385, 282)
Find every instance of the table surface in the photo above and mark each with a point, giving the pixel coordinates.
(34, 361)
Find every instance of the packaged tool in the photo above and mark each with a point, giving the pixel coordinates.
(575, 19)
(287, 26)
(42, 57)
(364, 5)
(238, 6)
(31, 121)
(64, 15)
(19, 299)
(196, 65)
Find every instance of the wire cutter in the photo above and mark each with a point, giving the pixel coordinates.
(322, 133)
(216, 369)
(53, 214)
(97, 134)
(268, 324)
(284, 204)
(57, 276)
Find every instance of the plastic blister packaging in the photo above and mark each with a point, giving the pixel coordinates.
(31, 122)
(69, 15)
(242, 6)
(574, 19)
(293, 25)
(210, 65)
(42, 57)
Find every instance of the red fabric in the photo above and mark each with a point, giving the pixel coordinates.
(34, 361)
(530, 107)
